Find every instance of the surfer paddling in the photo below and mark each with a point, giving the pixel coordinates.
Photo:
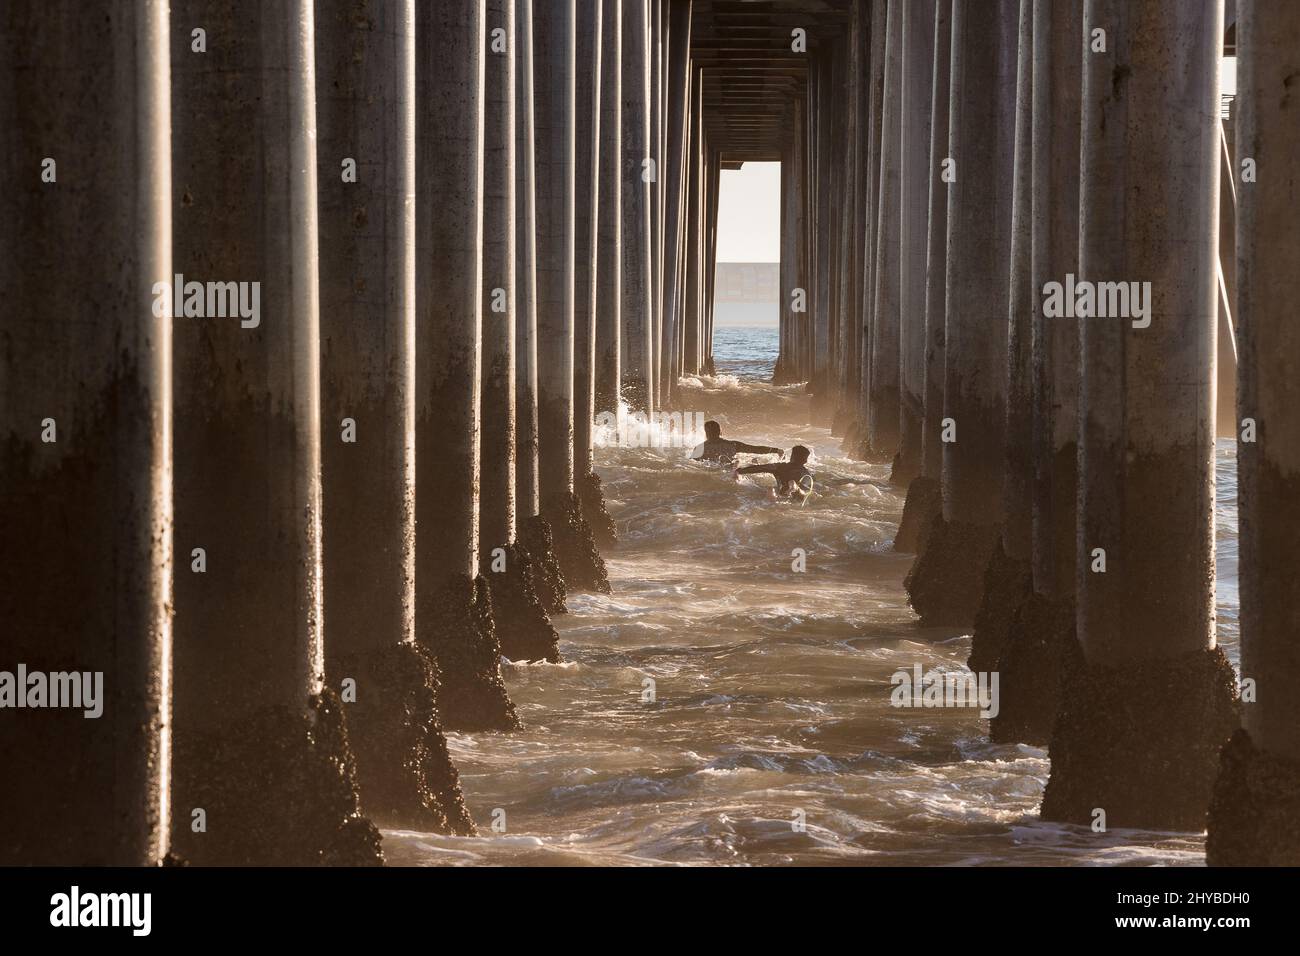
(793, 479)
(716, 448)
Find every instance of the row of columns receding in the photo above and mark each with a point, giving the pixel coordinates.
(1060, 465)
(296, 540)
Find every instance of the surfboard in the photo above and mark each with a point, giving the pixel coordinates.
(805, 485)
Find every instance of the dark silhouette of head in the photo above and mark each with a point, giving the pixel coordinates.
(799, 454)
(712, 430)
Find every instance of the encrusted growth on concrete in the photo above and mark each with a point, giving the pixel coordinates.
(1029, 670)
(1006, 587)
(1254, 817)
(455, 624)
(522, 627)
(78, 558)
(1141, 742)
(575, 548)
(922, 507)
(592, 498)
(536, 541)
(276, 789)
(946, 583)
(404, 771)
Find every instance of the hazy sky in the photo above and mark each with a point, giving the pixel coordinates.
(749, 213)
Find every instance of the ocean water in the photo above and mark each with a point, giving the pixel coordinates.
(770, 688)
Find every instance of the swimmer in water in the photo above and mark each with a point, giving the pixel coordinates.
(717, 448)
(790, 475)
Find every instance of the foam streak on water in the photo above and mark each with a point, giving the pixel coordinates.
(772, 687)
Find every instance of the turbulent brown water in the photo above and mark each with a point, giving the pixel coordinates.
(771, 687)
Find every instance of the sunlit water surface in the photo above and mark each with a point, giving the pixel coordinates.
(771, 688)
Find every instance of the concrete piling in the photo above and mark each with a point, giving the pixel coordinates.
(609, 269)
(1042, 628)
(883, 413)
(366, 116)
(924, 502)
(713, 171)
(588, 75)
(523, 629)
(1006, 579)
(588, 198)
(678, 132)
(1254, 818)
(691, 335)
(848, 299)
(916, 102)
(655, 49)
(85, 415)
(527, 500)
(874, 105)
(946, 583)
(534, 531)
(500, 285)
(1148, 699)
(793, 360)
(453, 612)
(823, 152)
(637, 318)
(250, 701)
(838, 54)
(860, 176)
(554, 51)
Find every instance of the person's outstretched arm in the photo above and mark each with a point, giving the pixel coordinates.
(757, 449)
(757, 470)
